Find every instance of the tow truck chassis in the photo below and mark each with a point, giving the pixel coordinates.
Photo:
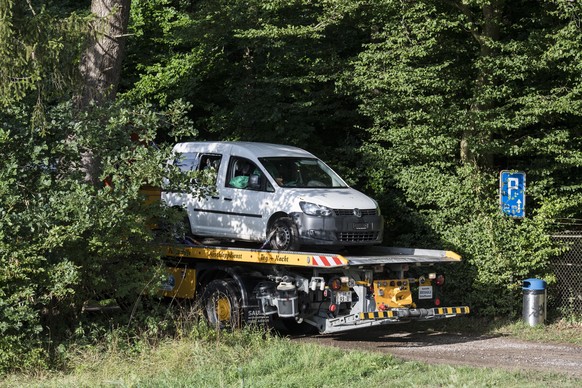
(331, 292)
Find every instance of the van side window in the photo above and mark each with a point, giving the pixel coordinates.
(210, 161)
(243, 174)
(187, 161)
(209, 165)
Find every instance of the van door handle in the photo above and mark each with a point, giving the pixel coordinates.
(215, 197)
(227, 199)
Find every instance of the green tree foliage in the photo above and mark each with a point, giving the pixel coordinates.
(39, 43)
(458, 91)
(64, 241)
(253, 70)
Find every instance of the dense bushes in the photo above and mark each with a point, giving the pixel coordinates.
(63, 240)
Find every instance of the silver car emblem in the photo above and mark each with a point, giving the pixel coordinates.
(357, 212)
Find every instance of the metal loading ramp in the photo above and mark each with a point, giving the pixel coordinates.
(392, 255)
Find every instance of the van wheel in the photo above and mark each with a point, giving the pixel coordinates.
(285, 236)
(221, 304)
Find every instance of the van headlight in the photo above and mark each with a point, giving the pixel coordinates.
(313, 209)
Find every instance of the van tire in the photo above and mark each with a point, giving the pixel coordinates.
(285, 236)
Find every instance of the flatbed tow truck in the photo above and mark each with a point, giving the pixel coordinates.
(330, 292)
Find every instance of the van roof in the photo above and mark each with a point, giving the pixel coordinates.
(242, 147)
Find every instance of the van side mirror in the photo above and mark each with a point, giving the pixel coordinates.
(254, 182)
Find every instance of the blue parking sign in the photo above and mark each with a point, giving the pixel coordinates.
(512, 193)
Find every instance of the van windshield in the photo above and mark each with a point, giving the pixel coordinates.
(301, 172)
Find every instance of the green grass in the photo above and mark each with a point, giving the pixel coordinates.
(247, 358)
(559, 331)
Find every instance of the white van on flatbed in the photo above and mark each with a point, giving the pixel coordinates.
(272, 192)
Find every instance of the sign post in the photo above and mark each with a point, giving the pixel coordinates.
(512, 193)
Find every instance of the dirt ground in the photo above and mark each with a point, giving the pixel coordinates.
(437, 347)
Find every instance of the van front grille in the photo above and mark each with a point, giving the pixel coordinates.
(357, 236)
(350, 212)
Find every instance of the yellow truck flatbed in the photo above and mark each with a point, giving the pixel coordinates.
(369, 257)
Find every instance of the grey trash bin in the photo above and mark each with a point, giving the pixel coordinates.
(534, 301)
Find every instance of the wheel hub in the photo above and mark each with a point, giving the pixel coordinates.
(223, 309)
(282, 236)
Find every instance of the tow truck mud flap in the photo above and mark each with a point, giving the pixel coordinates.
(393, 316)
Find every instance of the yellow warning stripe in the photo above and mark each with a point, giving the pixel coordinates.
(437, 311)
(247, 255)
(378, 315)
(451, 310)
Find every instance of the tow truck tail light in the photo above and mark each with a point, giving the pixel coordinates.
(440, 280)
(437, 302)
(335, 284)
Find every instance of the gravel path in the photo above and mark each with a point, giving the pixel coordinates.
(460, 349)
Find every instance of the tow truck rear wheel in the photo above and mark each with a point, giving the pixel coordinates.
(221, 304)
(285, 236)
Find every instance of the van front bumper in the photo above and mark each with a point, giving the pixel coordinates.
(342, 230)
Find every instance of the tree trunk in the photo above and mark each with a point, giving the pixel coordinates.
(101, 62)
(101, 65)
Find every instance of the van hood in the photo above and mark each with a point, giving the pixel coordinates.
(340, 198)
